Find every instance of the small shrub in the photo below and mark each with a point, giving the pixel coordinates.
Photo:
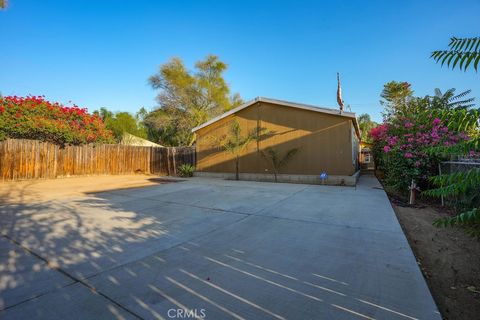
(186, 170)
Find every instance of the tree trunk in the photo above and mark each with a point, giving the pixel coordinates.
(275, 175)
(237, 176)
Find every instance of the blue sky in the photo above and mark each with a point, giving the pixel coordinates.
(100, 53)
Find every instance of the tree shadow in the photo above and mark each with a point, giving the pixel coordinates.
(53, 244)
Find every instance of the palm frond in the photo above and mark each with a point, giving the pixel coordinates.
(460, 95)
(438, 93)
(288, 156)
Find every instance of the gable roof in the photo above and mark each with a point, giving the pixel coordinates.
(133, 140)
(335, 112)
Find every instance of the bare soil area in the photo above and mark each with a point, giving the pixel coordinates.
(449, 259)
(51, 189)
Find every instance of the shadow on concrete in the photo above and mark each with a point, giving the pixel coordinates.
(139, 253)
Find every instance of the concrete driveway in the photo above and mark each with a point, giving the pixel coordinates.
(210, 248)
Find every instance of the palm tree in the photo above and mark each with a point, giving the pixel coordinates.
(235, 143)
(463, 50)
(277, 162)
(450, 100)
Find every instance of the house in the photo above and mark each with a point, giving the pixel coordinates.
(366, 156)
(133, 140)
(327, 139)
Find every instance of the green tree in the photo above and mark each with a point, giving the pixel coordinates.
(466, 183)
(366, 125)
(168, 128)
(449, 100)
(104, 114)
(235, 142)
(461, 52)
(395, 98)
(121, 122)
(277, 162)
(187, 99)
(460, 186)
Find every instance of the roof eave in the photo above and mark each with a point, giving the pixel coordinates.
(282, 103)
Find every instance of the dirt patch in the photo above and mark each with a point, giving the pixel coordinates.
(448, 258)
(51, 189)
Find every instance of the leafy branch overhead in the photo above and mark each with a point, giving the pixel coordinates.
(462, 52)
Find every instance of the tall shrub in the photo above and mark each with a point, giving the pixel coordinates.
(33, 117)
(401, 145)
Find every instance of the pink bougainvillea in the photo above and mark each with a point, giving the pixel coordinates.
(402, 145)
(379, 132)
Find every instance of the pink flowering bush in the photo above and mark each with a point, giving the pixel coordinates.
(400, 148)
(33, 117)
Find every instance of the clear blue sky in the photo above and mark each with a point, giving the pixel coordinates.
(100, 53)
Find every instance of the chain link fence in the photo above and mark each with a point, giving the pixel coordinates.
(457, 164)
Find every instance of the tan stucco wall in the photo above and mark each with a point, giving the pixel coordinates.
(324, 141)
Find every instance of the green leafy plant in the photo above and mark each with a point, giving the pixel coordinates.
(187, 99)
(186, 170)
(462, 52)
(467, 183)
(235, 142)
(469, 220)
(463, 185)
(273, 157)
(402, 143)
(366, 124)
(460, 188)
(120, 123)
(450, 100)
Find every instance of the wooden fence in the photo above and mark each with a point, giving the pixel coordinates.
(29, 159)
